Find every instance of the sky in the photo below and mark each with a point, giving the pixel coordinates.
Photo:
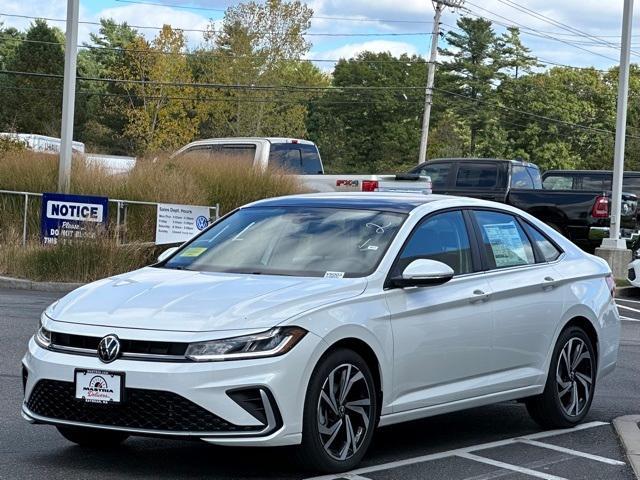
(565, 36)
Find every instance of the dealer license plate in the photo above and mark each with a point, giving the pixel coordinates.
(97, 386)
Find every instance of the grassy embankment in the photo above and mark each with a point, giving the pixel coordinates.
(192, 181)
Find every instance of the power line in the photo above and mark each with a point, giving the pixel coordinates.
(528, 30)
(222, 86)
(557, 23)
(309, 34)
(202, 53)
(533, 115)
(320, 17)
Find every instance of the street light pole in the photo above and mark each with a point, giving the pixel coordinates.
(68, 96)
(438, 6)
(614, 241)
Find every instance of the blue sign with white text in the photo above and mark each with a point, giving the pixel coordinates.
(70, 217)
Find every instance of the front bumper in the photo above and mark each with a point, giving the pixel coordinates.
(204, 385)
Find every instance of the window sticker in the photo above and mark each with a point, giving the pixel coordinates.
(334, 275)
(506, 244)
(193, 252)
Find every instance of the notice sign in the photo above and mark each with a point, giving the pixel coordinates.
(69, 217)
(178, 223)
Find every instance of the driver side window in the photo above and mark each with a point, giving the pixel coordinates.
(442, 237)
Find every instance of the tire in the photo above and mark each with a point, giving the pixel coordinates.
(336, 435)
(566, 381)
(92, 437)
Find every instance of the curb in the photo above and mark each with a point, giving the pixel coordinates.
(21, 284)
(629, 432)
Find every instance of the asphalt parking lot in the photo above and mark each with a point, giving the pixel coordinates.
(498, 441)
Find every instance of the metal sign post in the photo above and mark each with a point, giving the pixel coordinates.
(68, 96)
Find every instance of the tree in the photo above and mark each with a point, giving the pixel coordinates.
(473, 63)
(260, 45)
(35, 104)
(99, 115)
(160, 106)
(514, 55)
(374, 129)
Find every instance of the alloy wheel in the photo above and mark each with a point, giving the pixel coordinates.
(344, 411)
(574, 377)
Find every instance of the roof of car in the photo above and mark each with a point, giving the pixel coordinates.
(393, 202)
(480, 159)
(586, 172)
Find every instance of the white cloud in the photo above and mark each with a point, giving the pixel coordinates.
(146, 15)
(352, 49)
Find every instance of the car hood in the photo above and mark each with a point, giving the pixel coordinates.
(187, 301)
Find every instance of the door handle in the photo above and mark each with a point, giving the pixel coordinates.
(548, 284)
(479, 296)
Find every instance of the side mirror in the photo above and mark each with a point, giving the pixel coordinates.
(167, 253)
(422, 273)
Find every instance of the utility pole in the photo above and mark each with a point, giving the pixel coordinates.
(438, 6)
(614, 248)
(614, 240)
(68, 96)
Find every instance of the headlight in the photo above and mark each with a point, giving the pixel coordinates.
(271, 343)
(43, 336)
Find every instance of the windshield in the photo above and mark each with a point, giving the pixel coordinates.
(311, 242)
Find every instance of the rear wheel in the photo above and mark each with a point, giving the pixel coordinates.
(92, 437)
(571, 381)
(340, 413)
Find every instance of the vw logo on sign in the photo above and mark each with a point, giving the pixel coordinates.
(109, 348)
(202, 222)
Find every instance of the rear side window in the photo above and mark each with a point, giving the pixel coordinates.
(504, 240)
(535, 176)
(547, 249)
(477, 175)
(631, 185)
(595, 182)
(558, 182)
(296, 158)
(520, 178)
(439, 173)
(442, 237)
(221, 153)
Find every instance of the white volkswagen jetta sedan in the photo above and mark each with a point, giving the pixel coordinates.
(313, 319)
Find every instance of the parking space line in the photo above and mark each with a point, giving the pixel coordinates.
(629, 319)
(576, 453)
(457, 451)
(509, 466)
(628, 308)
(626, 300)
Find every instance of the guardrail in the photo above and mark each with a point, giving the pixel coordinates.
(121, 212)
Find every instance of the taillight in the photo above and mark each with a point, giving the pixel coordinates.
(600, 208)
(369, 185)
(611, 283)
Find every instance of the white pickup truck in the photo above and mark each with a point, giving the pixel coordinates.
(302, 158)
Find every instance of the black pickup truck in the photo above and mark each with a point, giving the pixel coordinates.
(582, 216)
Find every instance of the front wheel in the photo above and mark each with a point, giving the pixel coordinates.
(92, 437)
(571, 382)
(340, 413)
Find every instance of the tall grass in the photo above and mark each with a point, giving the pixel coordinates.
(196, 180)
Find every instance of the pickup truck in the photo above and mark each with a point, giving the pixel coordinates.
(301, 158)
(582, 216)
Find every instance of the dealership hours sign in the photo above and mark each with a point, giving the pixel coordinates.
(178, 223)
(69, 217)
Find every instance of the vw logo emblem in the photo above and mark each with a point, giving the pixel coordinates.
(202, 222)
(109, 348)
